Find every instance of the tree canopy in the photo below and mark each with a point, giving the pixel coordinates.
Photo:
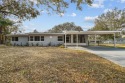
(112, 20)
(65, 27)
(27, 9)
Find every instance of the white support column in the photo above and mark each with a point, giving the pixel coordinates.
(95, 39)
(114, 41)
(77, 39)
(87, 40)
(65, 40)
(40, 38)
(71, 38)
(33, 38)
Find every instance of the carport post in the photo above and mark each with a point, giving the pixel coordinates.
(95, 39)
(65, 40)
(114, 41)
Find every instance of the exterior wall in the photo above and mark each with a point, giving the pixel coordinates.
(48, 40)
(21, 41)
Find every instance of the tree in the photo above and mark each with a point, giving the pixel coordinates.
(27, 9)
(110, 21)
(65, 27)
(6, 27)
(35, 31)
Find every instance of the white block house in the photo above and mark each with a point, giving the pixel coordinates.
(53, 39)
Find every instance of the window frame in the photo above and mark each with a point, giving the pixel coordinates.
(42, 38)
(15, 38)
(60, 38)
(31, 38)
(36, 38)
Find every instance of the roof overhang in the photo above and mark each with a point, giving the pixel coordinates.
(66, 32)
(92, 32)
(17, 35)
(46, 33)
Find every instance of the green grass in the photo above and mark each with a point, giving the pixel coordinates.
(56, 65)
(112, 45)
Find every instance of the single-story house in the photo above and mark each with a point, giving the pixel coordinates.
(52, 39)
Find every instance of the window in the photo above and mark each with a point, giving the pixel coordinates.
(81, 38)
(74, 39)
(60, 38)
(31, 38)
(68, 39)
(42, 38)
(37, 38)
(14, 38)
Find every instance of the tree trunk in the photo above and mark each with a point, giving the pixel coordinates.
(1, 36)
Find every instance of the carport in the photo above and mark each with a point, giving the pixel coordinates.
(95, 33)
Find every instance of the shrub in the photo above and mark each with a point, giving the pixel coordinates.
(37, 44)
(62, 46)
(14, 44)
(32, 44)
(21, 44)
(27, 44)
(41, 44)
(8, 44)
(49, 44)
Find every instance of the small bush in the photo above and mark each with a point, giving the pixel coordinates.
(27, 44)
(8, 44)
(32, 44)
(21, 44)
(14, 44)
(62, 46)
(49, 44)
(37, 44)
(41, 44)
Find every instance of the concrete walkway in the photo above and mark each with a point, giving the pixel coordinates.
(115, 55)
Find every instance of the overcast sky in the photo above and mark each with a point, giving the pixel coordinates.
(84, 18)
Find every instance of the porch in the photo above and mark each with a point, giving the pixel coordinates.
(81, 37)
(75, 39)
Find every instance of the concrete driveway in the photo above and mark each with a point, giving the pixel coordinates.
(115, 55)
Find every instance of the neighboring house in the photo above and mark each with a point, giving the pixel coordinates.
(120, 40)
(53, 39)
(109, 41)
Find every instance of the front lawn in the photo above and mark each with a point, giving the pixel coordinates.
(56, 65)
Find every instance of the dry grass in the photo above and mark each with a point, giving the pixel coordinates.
(112, 45)
(56, 65)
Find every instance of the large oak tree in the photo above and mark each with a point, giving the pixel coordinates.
(65, 27)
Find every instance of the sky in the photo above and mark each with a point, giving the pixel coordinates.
(84, 18)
